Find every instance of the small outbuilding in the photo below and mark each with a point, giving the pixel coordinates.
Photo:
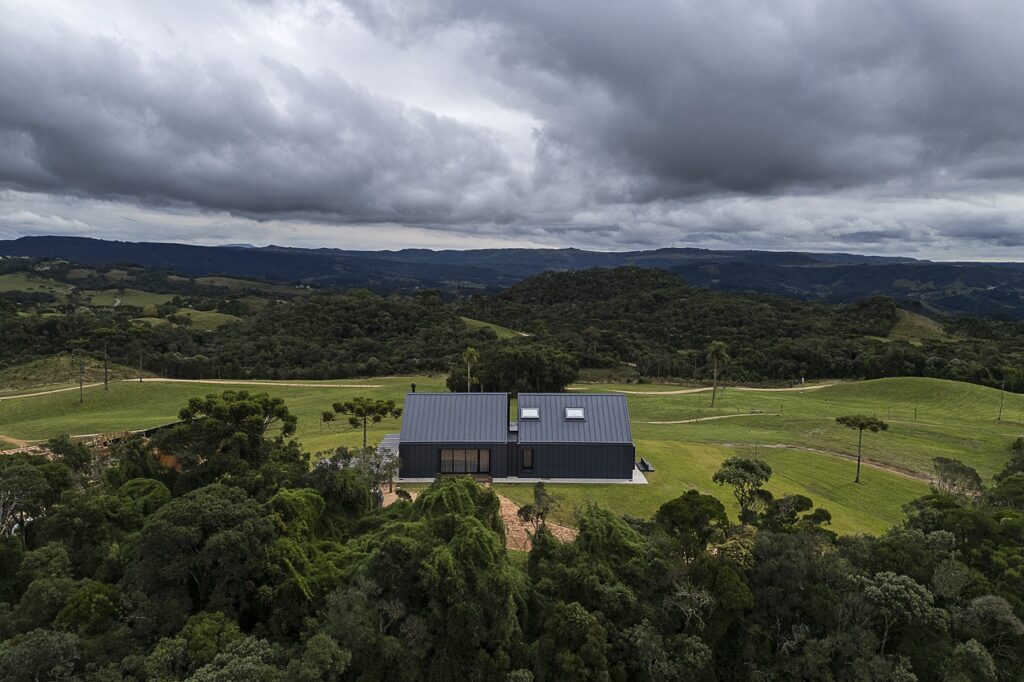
(571, 436)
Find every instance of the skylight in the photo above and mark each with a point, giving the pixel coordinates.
(529, 413)
(575, 413)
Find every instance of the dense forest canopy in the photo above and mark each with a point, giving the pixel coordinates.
(654, 320)
(635, 322)
(244, 564)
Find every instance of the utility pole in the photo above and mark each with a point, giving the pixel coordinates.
(140, 365)
(81, 378)
(105, 373)
(1002, 389)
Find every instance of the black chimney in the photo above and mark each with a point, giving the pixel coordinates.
(413, 385)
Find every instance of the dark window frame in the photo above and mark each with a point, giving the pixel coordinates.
(467, 463)
(523, 459)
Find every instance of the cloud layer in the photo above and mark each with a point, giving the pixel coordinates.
(861, 125)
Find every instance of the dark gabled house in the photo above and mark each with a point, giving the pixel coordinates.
(554, 436)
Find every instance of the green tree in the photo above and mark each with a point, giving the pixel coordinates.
(747, 478)
(953, 477)
(898, 601)
(234, 424)
(24, 491)
(470, 356)
(694, 520)
(364, 411)
(326, 417)
(544, 503)
(40, 655)
(718, 357)
(861, 423)
(572, 646)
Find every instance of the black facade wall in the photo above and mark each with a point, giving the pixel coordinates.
(613, 461)
(580, 460)
(423, 460)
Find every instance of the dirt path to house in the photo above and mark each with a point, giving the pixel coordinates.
(246, 382)
(517, 533)
(52, 390)
(865, 461)
(9, 443)
(718, 416)
(706, 389)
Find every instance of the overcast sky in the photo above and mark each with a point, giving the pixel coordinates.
(872, 126)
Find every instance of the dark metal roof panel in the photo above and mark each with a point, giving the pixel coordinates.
(607, 418)
(455, 418)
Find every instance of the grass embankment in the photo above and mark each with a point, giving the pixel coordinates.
(57, 372)
(502, 332)
(203, 320)
(795, 432)
(23, 281)
(132, 405)
(915, 328)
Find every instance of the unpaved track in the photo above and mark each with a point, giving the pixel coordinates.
(707, 389)
(7, 443)
(246, 382)
(717, 416)
(53, 390)
(865, 461)
(223, 382)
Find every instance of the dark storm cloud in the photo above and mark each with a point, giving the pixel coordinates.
(688, 98)
(867, 124)
(87, 116)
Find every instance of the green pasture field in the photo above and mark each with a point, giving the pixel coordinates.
(794, 431)
(502, 332)
(22, 281)
(129, 297)
(243, 284)
(131, 405)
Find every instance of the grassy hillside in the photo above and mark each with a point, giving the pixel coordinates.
(915, 328)
(58, 371)
(502, 332)
(23, 281)
(795, 432)
(132, 297)
(133, 405)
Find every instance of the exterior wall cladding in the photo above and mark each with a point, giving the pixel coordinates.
(550, 460)
(601, 449)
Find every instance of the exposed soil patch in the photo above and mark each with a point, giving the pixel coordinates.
(517, 533)
(9, 445)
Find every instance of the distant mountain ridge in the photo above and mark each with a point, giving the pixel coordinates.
(995, 289)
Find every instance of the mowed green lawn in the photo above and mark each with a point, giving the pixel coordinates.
(23, 281)
(133, 405)
(795, 431)
(129, 297)
(501, 332)
(796, 434)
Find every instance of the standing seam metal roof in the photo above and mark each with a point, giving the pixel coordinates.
(607, 418)
(455, 418)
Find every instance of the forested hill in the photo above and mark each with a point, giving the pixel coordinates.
(654, 320)
(631, 322)
(990, 289)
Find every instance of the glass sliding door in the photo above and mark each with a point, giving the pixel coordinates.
(465, 461)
